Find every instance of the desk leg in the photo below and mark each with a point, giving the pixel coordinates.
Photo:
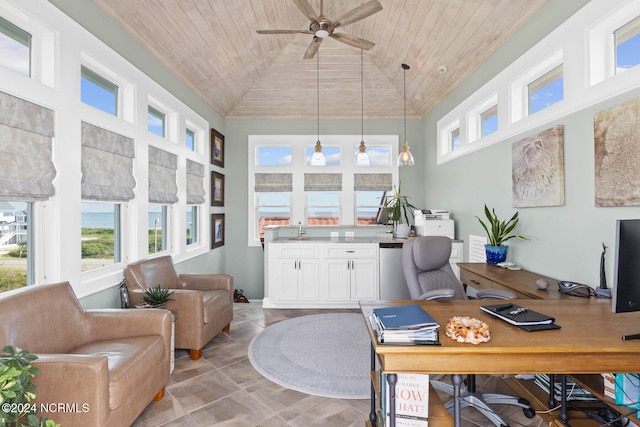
(552, 394)
(372, 414)
(564, 416)
(392, 379)
(457, 382)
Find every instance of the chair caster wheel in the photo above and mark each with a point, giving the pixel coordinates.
(529, 412)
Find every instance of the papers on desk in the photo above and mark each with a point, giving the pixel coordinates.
(520, 316)
(404, 324)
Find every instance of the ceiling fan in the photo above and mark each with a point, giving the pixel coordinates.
(321, 27)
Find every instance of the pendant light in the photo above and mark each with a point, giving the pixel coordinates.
(405, 158)
(362, 158)
(318, 158)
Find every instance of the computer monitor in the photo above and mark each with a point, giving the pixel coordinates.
(626, 287)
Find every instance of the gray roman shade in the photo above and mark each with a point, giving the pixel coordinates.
(162, 176)
(26, 147)
(273, 182)
(372, 181)
(107, 165)
(322, 182)
(195, 185)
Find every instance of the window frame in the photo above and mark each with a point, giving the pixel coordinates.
(14, 32)
(542, 82)
(101, 81)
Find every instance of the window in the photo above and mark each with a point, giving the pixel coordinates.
(15, 48)
(546, 90)
(192, 225)
(323, 208)
(273, 208)
(331, 153)
(156, 121)
(100, 239)
(379, 156)
(273, 156)
(98, 92)
(190, 140)
(368, 204)
(158, 228)
(16, 268)
(489, 121)
(627, 45)
(455, 139)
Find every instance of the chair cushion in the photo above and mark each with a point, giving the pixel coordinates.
(214, 302)
(128, 360)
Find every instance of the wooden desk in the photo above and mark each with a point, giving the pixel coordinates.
(589, 342)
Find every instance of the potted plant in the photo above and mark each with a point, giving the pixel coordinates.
(155, 297)
(498, 232)
(398, 208)
(17, 390)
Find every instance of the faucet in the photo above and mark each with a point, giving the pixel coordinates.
(300, 232)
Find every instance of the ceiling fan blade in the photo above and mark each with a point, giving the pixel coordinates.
(284, 32)
(353, 41)
(313, 48)
(307, 10)
(357, 13)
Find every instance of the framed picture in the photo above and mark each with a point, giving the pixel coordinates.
(217, 230)
(217, 189)
(217, 148)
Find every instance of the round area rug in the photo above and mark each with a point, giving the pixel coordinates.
(322, 354)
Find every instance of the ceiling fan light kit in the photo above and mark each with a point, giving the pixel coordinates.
(405, 158)
(321, 27)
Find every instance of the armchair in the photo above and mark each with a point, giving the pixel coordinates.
(203, 303)
(425, 262)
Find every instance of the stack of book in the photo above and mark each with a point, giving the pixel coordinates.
(404, 324)
(574, 391)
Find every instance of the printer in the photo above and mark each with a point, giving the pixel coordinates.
(434, 222)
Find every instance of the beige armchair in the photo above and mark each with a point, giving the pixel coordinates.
(203, 303)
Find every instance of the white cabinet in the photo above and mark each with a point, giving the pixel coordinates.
(350, 272)
(327, 275)
(293, 273)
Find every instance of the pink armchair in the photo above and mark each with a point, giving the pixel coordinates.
(203, 303)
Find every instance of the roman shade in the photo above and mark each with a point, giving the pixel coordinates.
(322, 182)
(195, 186)
(107, 165)
(372, 182)
(162, 176)
(273, 182)
(26, 143)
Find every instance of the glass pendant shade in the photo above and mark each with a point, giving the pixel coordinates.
(405, 158)
(317, 158)
(362, 158)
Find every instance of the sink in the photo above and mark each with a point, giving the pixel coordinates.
(299, 238)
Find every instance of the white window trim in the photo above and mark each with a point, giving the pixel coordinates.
(580, 41)
(445, 144)
(298, 144)
(474, 119)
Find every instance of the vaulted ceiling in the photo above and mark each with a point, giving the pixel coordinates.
(214, 47)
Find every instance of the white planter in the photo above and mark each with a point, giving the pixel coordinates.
(401, 231)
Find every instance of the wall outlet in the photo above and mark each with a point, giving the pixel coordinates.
(335, 234)
(350, 234)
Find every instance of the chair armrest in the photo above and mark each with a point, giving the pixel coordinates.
(494, 293)
(206, 282)
(73, 379)
(187, 304)
(436, 294)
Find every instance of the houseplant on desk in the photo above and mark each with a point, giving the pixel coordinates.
(398, 208)
(498, 232)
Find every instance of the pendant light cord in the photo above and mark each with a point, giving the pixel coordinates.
(318, 88)
(362, 92)
(404, 97)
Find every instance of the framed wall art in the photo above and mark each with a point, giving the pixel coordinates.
(217, 230)
(217, 189)
(217, 148)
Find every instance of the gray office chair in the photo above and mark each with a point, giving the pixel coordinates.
(425, 262)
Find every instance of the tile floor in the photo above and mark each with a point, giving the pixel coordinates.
(223, 389)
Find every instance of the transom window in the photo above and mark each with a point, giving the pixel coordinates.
(98, 92)
(190, 140)
(455, 139)
(156, 121)
(489, 121)
(627, 42)
(546, 90)
(273, 156)
(15, 48)
(331, 154)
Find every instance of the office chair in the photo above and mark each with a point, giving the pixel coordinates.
(425, 262)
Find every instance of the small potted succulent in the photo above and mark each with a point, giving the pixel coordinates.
(155, 297)
(498, 232)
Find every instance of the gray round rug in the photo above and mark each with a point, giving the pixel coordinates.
(322, 354)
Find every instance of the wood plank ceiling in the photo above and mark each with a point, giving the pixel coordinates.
(213, 46)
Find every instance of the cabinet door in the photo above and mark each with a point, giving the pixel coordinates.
(364, 280)
(308, 289)
(338, 279)
(286, 280)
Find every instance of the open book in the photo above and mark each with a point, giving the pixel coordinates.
(517, 315)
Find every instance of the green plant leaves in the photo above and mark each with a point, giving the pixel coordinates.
(499, 231)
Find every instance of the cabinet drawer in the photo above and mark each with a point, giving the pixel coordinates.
(297, 251)
(499, 286)
(351, 251)
(475, 281)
